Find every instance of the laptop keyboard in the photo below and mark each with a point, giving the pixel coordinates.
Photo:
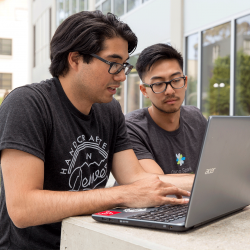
(163, 213)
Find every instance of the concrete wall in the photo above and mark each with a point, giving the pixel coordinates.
(41, 71)
(200, 13)
(14, 25)
(150, 22)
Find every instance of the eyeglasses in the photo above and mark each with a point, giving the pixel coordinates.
(159, 87)
(115, 68)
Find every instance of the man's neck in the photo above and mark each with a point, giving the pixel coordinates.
(76, 98)
(167, 121)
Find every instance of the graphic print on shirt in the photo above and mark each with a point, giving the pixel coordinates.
(180, 159)
(87, 166)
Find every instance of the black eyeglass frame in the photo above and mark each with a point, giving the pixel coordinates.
(123, 66)
(169, 82)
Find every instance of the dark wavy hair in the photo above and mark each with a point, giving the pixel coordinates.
(154, 53)
(85, 32)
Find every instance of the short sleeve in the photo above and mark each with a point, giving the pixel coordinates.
(122, 138)
(140, 142)
(24, 122)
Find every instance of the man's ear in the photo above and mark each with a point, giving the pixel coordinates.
(186, 82)
(143, 90)
(73, 59)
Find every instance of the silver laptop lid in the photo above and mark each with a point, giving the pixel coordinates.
(222, 182)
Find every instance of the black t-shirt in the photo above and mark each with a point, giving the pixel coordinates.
(175, 152)
(77, 149)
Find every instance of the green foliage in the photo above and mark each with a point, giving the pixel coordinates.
(218, 98)
(146, 102)
(218, 103)
(242, 97)
(191, 94)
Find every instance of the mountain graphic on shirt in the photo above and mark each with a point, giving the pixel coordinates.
(89, 170)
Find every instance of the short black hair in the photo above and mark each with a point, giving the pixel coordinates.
(154, 53)
(85, 32)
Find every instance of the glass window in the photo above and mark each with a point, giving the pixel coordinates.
(119, 96)
(66, 12)
(106, 7)
(5, 81)
(60, 12)
(133, 97)
(119, 7)
(216, 70)
(41, 38)
(242, 67)
(192, 69)
(131, 4)
(74, 7)
(82, 5)
(145, 102)
(5, 46)
(98, 7)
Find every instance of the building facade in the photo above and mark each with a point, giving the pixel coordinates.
(14, 45)
(213, 36)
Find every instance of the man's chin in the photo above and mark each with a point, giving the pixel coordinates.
(105, 100)
(170, 110)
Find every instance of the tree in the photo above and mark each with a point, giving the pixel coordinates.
(242, 86)
(218, 103)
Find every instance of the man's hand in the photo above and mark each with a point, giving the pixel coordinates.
(183, 181)
(152, 192)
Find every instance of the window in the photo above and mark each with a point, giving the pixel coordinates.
(215, 87)
(34, 45)
(5, 46)
(118, 7)
(216, 52)
(42, 36)
(66, 8)
(74, 6)
(119, 96)
(133, 81)
(83, 5)
(106, 7)
(192, 69)
(60, 12)
(242, 67)
(5, 81)
(131, 4)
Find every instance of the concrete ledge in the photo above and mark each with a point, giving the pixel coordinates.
(83, 232)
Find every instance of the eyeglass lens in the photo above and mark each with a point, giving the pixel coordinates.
(161, 86)
(116, 68)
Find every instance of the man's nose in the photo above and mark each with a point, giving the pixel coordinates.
(120, 77)
(169, 90)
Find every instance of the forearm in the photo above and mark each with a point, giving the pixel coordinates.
(38, 207)
(42, 207)
(28, 204)
(183, 181)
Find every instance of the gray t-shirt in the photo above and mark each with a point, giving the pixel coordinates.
(77, 150)
(175, 152)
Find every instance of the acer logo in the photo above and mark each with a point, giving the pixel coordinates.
(210, 170)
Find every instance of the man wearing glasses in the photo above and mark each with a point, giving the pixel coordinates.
(167, 136)
(61, 138)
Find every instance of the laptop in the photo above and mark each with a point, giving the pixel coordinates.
(221, 185)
